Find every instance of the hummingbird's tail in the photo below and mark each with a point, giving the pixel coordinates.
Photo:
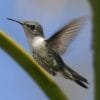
(68, 73)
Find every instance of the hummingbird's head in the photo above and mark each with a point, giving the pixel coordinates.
(30, 27)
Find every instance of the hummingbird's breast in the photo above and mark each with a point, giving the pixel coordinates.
(39, 45)
(38, 42)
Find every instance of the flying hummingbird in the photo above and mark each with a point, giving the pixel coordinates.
(48, 52)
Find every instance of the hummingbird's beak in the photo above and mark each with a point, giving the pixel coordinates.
(16, 21)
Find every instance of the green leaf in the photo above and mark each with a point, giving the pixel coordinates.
(95, 4)
(41, 77)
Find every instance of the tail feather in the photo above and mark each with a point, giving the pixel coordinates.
(72, 75)
(81, 84)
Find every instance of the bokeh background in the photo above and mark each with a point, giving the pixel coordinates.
(15, 84)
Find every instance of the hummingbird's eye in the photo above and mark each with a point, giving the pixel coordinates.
(32, 27)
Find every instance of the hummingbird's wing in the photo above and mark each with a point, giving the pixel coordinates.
(60, 41)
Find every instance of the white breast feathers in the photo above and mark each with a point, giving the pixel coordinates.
(38, 42)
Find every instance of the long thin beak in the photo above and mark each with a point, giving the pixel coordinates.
(15, 21)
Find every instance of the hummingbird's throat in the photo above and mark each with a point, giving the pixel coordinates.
(38, 42)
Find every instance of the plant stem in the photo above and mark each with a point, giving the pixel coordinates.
(96, 45)
(41, 77)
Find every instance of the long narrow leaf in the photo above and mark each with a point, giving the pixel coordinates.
(95, 4)
(41, 77)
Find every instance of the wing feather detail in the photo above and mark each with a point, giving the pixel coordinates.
(61, 40)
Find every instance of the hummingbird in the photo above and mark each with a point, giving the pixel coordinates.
(48, 52)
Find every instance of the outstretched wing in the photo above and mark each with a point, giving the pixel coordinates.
(60, 41)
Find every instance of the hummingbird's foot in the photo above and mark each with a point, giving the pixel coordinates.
(54, 73)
